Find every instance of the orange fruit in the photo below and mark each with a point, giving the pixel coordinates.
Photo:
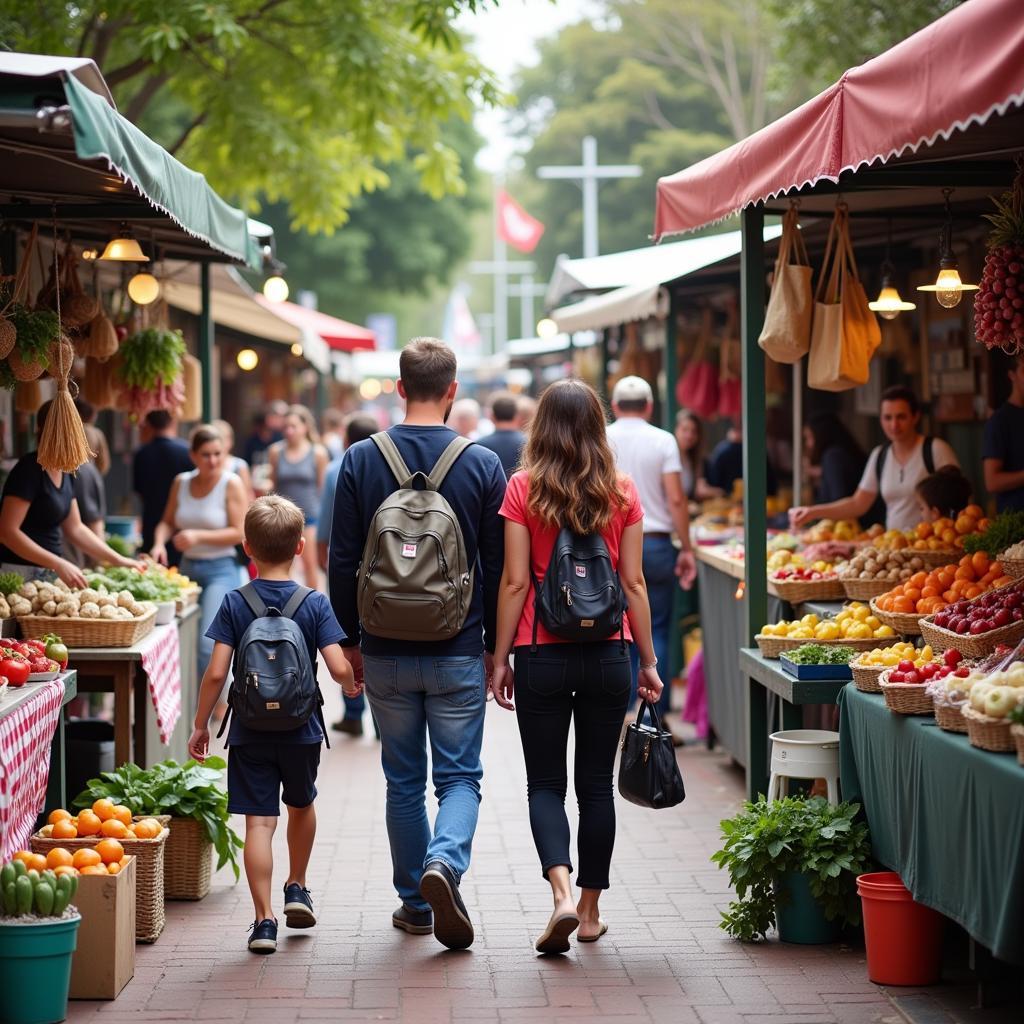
(37, 862)
(114, 867)
(1003, 581)
(63, 829)
(912, 594)
(123, 814)
(980, 563)
(103, 809)
(58, 815)
(113, 829)
(88, 823)
(923, 531)
(949, 536)
(903, 604)
(85, 858)
(58, 857)
(65, 869)
(974, 511)
(93, 869)
(24, 856)
(109, 850)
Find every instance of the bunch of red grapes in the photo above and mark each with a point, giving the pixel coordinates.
(999, 304)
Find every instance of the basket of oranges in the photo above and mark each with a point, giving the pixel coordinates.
(100, 837)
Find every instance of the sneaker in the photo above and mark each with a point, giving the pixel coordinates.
(349, 726)
(415, 922)
(264, 937)
(298, 907)
(439, 887)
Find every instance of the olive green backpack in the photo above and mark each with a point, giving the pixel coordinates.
(415, 582)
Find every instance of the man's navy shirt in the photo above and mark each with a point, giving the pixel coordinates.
(475, 489)
(1004, 440)
(154, 468)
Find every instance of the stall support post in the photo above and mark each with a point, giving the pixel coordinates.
(321, 394)
(671, 406)
(755, 478)
(206, 340)
(602, 384)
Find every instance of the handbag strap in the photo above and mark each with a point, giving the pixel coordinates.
(791, 226)
(646, 705)
(829, 280)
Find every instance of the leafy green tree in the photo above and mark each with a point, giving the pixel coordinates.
(303, 102)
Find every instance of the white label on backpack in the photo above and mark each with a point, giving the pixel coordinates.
(586, 623)
(581, 571)
(408, 550)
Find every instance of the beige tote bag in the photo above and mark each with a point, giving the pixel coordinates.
(786, 334)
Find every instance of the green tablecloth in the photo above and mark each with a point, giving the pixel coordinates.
(949, 818)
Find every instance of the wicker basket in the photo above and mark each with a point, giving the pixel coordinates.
(937, 559)
(864, 590)
(188, 861)
(905, 623)
(949, 718)
(90, 632)
(865, 677)
(988, 733)
(1013, 567)
(149, 877)
(187, 598)
(773, 646)
(971, 646)
(1017, 732)
(798, 591)
(906, 698)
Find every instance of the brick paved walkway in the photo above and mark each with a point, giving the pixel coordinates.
(663, 960)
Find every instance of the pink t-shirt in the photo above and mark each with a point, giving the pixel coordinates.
(542, 542)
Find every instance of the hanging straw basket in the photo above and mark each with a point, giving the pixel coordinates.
(978, 646)
(97, 383)
(8, 336)
(188, 862)
(1017, 732)
(24, 370)
(150, 916)
(949, 718)
(988, 733)
(906, 698)
(799, 591)
(905, 623)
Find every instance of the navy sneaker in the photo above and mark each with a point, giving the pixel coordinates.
(298, 907)
(440, 888)
(415, 922)
(264, 936)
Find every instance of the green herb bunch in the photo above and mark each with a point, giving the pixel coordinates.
(151, 358)
(151, 585)
(189, 790)
(1005, 529)
(10, 582)
(1016, 716)
(37, 330)
(820, 654)
(768, 840)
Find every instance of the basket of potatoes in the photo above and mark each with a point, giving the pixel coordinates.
(873, 572)
(83, 618)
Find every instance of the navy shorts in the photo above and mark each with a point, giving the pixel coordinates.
(261, 775)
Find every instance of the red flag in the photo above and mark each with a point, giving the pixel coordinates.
(516, 226)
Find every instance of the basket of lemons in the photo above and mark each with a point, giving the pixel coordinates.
(853, 626)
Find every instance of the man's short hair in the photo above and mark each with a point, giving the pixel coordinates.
(158, 419)
(427, 368)
(899, 393)
(358, 427)
(503, 407)
(273, 527)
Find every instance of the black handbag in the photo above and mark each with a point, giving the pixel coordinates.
(648, 772)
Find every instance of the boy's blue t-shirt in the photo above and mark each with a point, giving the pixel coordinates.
(315, 618)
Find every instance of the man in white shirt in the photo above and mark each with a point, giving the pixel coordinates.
(651, 457)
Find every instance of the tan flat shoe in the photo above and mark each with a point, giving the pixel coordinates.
(556, 936)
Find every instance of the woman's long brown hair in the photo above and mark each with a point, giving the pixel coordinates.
(573, 480)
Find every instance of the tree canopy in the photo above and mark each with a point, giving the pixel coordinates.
(301, 102)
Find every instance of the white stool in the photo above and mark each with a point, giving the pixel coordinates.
(804, 754)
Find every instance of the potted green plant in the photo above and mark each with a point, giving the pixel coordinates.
(38, 933)
(192, 794)
(793, 864)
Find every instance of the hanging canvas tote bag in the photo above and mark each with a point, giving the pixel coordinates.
(786, 335)
(844, 333)
(697, 387)
(730, 388)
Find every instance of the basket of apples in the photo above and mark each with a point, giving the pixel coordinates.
(975, 627)
(906, 687)
(799, 583)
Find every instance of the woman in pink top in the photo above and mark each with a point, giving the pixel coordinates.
(569, 479)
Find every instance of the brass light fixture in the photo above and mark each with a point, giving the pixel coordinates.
(889, 303)
(124, 248)
(948, 287)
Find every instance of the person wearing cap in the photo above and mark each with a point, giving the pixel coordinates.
(651, 457)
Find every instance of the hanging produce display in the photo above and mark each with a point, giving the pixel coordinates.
(98, 385)
(26, 341)
(149, 372)
(999, 304)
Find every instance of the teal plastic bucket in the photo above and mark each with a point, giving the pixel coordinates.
(798, 915)
(35, 970)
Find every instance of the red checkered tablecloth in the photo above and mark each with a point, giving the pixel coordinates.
(25, 736)
(161, 662)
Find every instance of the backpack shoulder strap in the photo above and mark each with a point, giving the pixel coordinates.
(253, 600)
(883, 453)
(392, 456)
(448, 457)
(928, 454)
(295, 602)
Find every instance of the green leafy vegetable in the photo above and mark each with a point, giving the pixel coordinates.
(1007, 528)
(151, 585)
(10, 582)
(37, 330)
(189, 790)
(820, 654)
(150, 358)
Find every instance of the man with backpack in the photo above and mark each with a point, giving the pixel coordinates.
(415, 562)
(271, 629)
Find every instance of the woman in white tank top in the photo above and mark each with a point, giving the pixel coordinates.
(203, 520)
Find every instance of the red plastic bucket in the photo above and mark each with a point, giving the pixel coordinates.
(903, 938)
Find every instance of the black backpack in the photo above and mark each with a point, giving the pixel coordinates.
(274, 685)
(581, 597)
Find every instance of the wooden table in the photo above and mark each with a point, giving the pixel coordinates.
(116, 670)
(766, 677)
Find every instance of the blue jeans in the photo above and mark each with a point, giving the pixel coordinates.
(417, 699)
(217, 576)
(660, 575)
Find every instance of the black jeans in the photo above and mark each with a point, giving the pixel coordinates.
(588, 684)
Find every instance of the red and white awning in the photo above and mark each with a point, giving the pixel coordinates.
(958, 71)
(340, 335)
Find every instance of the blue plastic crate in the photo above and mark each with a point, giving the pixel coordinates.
(830, 673)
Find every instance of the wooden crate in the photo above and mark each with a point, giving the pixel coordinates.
(104, 959)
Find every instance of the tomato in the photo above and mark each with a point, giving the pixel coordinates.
(16, 669)
(37, 646)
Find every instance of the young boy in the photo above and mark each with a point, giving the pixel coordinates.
(264, 767)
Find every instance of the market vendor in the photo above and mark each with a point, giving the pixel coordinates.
(1002, 456)
(37, 506)
(894, 469)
